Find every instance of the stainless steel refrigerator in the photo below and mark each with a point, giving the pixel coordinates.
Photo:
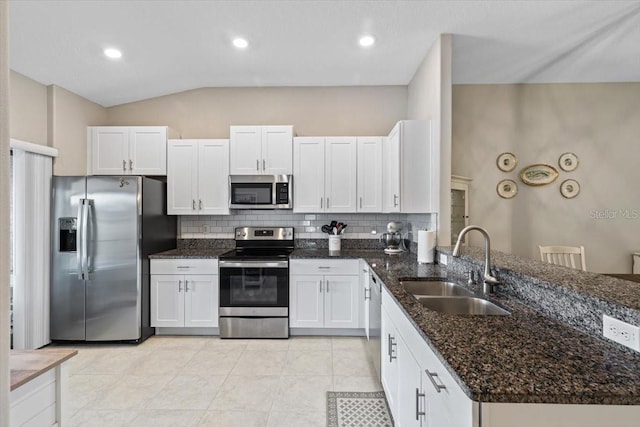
(104, 227)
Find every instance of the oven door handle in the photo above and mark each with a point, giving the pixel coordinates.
(254, 264)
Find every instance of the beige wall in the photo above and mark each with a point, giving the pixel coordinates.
(68, 117)
(429, 97)
(28, 104)
(208, 112)
(598, 122)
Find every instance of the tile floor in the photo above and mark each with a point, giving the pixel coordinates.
(206, 381)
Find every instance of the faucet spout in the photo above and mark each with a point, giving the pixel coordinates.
(488, 279)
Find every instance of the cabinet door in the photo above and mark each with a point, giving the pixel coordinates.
(201, 301)
(342, 302)
(110, 150)
(391, 172)
(411, 399)
(213, 177)
(167, 301)
(389, 362)
(148, 150)
(245, 150)
(308, 172)
(277, 150)
(370, 174)
(182, 177)
(306, 301)
(340, 174)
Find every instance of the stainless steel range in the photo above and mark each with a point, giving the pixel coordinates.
(254, 284)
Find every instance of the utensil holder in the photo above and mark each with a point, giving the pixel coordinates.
(334, 243)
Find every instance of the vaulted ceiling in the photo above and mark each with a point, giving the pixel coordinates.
(171, 46)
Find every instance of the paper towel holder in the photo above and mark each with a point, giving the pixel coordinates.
(426, 246)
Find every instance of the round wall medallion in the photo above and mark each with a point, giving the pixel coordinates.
(569, 188)
(568, 162)
(507, 162)
(507, 188)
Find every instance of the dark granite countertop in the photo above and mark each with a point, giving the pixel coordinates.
(190, 253)
(525, 357)
(606, 288)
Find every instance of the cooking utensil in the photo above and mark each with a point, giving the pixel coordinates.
(326, 229)
(342, 228)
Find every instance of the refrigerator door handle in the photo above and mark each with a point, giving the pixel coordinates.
(89, 230)
(80, 236)
(84, 242)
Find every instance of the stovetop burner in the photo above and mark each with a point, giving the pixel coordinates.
(257, 243)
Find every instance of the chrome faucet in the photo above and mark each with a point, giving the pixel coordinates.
(488, 281)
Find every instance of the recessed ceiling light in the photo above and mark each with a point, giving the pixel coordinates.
(367, 41)
(240, 43)
(112, 53)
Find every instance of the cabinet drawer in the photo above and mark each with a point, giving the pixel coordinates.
(325, 266)
(184, 266)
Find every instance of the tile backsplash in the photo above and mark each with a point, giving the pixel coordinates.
(307, 226)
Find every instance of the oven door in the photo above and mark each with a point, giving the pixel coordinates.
(254, 288)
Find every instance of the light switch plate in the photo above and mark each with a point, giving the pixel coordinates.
(621, 332)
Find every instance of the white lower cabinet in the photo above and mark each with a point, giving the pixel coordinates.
(324, 294)
(184, 300)
(419, 389)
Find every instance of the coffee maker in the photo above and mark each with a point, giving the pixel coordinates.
(393, 238)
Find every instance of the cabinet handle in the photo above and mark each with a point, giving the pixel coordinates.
(258, 165)
(395, 200)
(264, 165)
(391, 345)
(323, 268)
(321, 200)
(186, 286)
(432, 376)
(418, 412)
(360, 202)
(327, 203)
(179, 285)
(200, 204)
(193, 204)
(327, 286)
(320, 286)
(124, 166)
(131, 165)
(365, 294)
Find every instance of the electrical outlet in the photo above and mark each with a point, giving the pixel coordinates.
(205, 228)
(621, 332)
(443, 259)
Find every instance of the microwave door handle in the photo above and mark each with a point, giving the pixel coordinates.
(79, 237)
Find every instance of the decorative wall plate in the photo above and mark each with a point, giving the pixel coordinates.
(507, 162)
(570, 188)
(568, 162)
(538, 174)
(507, 188)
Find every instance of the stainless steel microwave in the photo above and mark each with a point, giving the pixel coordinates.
(260, 192)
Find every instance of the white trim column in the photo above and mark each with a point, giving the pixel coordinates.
(4, 213)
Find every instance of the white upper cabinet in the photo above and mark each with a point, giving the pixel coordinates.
(369, 174)
(325, 174)
(261, 150)
(198, 177)
(308, 174)
(410, 169)
(127, 150)
(277, 150)
(340, 174)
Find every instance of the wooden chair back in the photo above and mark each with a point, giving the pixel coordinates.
(568, 256)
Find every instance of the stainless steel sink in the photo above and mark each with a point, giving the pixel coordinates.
(434, 288)
(462, 305)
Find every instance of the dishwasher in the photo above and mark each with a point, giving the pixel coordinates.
(375, 320)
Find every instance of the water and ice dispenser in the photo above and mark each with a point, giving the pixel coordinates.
(67, 234)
